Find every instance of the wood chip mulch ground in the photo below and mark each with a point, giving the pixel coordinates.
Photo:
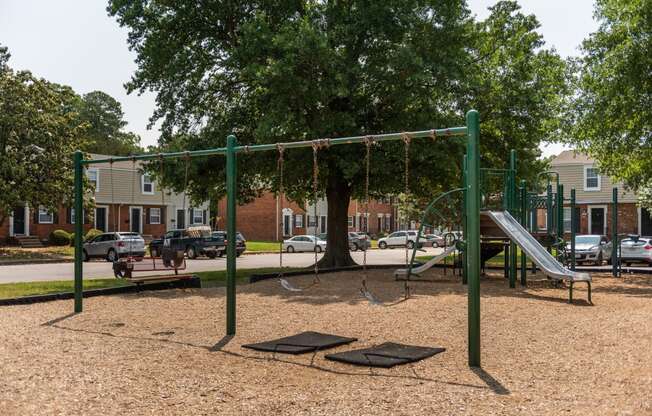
(164, 353)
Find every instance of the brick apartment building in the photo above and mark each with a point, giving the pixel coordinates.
(594, 198)
(265, 218)
(125, 200)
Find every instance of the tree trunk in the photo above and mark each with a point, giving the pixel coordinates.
(338, 195)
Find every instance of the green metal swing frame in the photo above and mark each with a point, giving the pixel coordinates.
(471, 200)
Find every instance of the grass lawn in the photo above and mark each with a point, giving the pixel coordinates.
(208, 279)
(498, 260)
(262, 246)
(54, 253)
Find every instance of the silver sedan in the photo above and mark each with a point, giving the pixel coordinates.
(304, 243)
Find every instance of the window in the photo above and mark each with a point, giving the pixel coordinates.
(591, 179)
(312, 221)
(351, 221)
(197, 216)
(147, 184)
(45, 216)
(298, 221)
(72, 215)
(155, 215)
(94, 178)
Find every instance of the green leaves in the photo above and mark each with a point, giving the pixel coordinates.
(39, 130)
(611, 116)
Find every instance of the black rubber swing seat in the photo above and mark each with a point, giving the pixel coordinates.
(385, 355)
(301, 343)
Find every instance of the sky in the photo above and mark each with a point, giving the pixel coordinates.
(75, 42)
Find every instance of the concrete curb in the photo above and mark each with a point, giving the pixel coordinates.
(33, 261)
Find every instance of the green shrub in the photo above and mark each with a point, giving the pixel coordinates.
(92, 233)
(72, 239)
(59, 238)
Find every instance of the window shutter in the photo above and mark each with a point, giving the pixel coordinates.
(204, 216)
(163, 215)
(294, 221)
(147, 213)
(36, 215)
(191, 220)
(68, 215)
(55, 217)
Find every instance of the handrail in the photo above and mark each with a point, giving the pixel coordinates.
(422, 224)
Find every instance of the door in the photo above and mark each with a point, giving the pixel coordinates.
(19, 220)
(287, 225)
(646, 222)
(397, 239)
(181, 219)
(134, 224)
(597, 220)
(100, 218)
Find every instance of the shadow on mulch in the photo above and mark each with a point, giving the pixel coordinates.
(491, 383)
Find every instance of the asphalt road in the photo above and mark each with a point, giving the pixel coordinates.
(101, 269)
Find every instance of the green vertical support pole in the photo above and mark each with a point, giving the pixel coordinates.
(79, 229)
(473, 234)
(614, 233)
(523, 190)
(560, 216)
(574, 220)
(512, 209)
(231, 195)
(465, 253)
(549, 213)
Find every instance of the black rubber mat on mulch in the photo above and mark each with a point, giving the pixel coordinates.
(385, 355)
(301, 343)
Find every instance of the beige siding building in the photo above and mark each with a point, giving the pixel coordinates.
(594, 197)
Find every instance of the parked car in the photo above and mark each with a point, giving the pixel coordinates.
(356, 241)
(434, 240)
(240, 243)
(112, 246)
(304, 243)
(591, 248)
(194, 241)
(398, 239)
(636, 249)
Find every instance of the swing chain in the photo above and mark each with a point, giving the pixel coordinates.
(316, 144)
(407, 138)
(281, 195)
(368, 141)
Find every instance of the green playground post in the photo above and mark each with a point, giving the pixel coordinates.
(473, 234)
(465, 253)
(231, 196)
(549, 213)
(574, 220)
(79, 229)
(560, 216)
(512, 210)
(523, 190)
(615, 260)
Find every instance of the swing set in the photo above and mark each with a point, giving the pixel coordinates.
(471, 131)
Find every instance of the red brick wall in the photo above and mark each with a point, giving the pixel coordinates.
(258, 219)
(375, 208)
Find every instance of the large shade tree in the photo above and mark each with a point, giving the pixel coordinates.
(612, 116)
(105, 131)
(40, 129)
(281, 71)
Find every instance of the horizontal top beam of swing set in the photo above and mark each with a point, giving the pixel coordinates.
(448, 132)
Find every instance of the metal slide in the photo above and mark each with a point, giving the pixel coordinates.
(536, 252)
(420, 269)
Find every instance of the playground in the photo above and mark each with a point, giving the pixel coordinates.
(164, 352)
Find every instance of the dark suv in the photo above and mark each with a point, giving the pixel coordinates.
(194, 241)
(240, 242)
